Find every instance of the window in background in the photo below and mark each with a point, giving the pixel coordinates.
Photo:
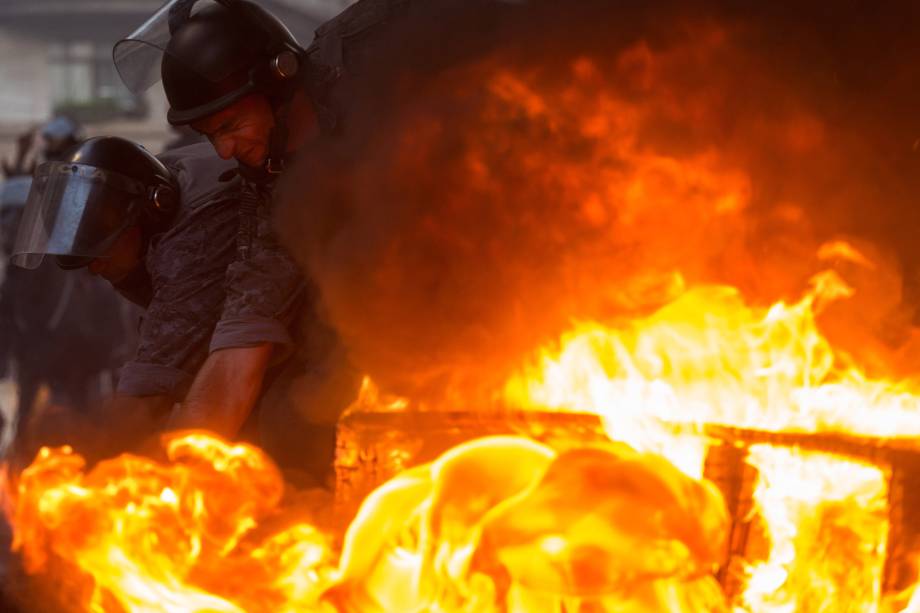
(85, 85)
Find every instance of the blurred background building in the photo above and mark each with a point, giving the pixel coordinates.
(56, 57)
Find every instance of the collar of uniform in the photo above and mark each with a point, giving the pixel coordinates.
(259, 176)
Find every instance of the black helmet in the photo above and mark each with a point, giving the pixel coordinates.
(78, 207)
(209, 54)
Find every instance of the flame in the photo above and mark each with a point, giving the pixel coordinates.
(827, 521)
(508, 524)
(170, 536)
(492, 525)
(708, 358)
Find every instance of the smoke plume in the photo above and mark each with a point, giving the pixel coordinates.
(505, 169)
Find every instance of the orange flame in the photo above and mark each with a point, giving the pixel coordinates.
(163, 537)
(504, 523)
(827, 522)
(507, 524)
(708, 358)
(493, 522)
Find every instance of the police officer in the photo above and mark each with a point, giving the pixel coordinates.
(230, 70)
(67, 332)
(58, 137)
(162, 233)
(234, 73)
(165, 233)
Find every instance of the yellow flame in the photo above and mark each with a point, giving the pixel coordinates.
(162, 537)
(497, 524)
(709, 358)
(508, 524)
(826, 519)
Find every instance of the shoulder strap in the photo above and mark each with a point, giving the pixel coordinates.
(332, 36)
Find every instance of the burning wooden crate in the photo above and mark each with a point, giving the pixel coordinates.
(729, 467)
(372, 447)
(375, 446)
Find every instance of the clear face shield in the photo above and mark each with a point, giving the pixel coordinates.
(139, 55)
(76, 212)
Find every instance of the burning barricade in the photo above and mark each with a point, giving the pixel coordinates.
(505, 523)
(722, 415)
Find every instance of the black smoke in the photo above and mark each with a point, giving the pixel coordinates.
(456, 223)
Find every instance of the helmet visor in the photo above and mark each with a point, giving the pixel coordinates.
(75, 211)
(138, 56)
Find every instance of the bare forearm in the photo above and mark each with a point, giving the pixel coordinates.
(224, 391)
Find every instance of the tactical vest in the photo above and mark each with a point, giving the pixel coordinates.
(341, 48)
(343, 43)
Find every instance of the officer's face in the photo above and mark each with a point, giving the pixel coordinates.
(241, 131)
(121, 258)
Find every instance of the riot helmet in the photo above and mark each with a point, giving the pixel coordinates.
(78, 207)
(59, 136)
(209, 54)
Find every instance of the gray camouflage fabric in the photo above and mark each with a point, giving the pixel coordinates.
(264, 289)
(205, 297)
(187, 266)
(311, 380)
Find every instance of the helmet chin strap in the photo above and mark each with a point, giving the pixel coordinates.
(278, 140)
(257, 181)
(277, 149)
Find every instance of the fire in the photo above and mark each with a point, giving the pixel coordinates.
(708, 358)
(508, 524)
(494, 523)
(164, 536)
(827, 521)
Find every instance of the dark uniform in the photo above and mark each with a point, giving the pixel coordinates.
(202, 298)
(64, 330)
(311, 380)
(218, 279)
(183, 293)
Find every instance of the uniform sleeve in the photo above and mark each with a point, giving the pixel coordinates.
(263, 292)
(187, 268)
(174, 334)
